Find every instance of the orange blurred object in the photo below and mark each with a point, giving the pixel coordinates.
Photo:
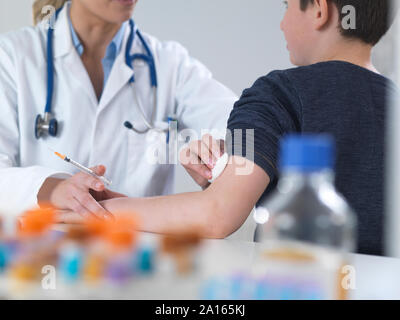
(78, 233)
(24, 272)
(94, 268)
(37, 221)
(121, 232)
(60, 155)
(182, 246)
(97, 227)
(180, 241)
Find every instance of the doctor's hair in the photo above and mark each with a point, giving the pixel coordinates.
(38, 6)
(373, 18)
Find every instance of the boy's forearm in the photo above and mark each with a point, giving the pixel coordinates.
(215, 212)
(168, 214)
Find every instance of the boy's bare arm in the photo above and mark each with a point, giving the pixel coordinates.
(215, 212)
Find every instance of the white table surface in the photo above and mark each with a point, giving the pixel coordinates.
(376, 277)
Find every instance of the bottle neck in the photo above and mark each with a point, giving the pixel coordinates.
(295, 179)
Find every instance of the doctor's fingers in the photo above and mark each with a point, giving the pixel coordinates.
(89, 206)
(199, 172)
(76, 207)
(199, 178)
(215, 146)
(85, 180)
(100, 170)
(202, 151)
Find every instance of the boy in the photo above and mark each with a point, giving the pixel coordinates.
(335, 90)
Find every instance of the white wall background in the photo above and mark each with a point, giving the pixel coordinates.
(238, 40)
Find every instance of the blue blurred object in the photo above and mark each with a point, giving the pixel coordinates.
(145, 259)
(217, 289)
(244, 287)
(71, 262)
(3, 258)
(8, 250)
(262, 290)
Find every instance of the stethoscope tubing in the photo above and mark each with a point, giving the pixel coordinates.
(42, 124)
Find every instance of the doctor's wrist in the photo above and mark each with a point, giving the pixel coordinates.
(45, 192)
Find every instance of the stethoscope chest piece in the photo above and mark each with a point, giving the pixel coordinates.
(45, 126)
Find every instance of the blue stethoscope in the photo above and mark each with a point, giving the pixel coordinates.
(47, 125)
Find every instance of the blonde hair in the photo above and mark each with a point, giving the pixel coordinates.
(38, 5)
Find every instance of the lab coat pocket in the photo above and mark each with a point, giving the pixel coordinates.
(135, 150)
(146, 151)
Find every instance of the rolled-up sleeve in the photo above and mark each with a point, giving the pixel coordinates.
(265, 113)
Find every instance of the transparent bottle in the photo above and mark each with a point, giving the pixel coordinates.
(306, 225)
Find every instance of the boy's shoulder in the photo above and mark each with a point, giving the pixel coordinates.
(323, 72)
(304, 84)
(305, 74)
(330, 74)
(296, 78)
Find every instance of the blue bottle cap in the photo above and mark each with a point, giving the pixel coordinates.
(307, 153)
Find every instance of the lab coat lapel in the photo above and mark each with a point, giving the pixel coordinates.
(119, 76)
(75, 67)
(67, 59)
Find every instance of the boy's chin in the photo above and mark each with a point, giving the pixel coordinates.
(298, 62)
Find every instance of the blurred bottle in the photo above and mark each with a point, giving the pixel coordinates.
(144, 258)
(36, 245)
(121, 236)
(306, 224)
(93, 270)
(182, 248)
(70, 262)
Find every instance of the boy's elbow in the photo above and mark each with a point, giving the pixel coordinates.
(217, 224)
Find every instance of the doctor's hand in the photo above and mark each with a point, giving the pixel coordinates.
(74, 195)
(105, 194)
(200, 157)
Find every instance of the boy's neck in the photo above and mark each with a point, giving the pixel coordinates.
(351, 51)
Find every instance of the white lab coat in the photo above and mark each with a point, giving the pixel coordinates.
(91, 131)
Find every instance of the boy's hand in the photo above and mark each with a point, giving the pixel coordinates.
(200, 157)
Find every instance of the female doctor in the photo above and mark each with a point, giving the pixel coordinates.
(74, 88)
